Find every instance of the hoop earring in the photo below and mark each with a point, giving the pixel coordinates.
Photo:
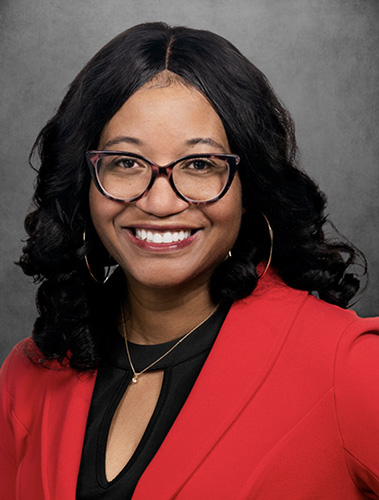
(107, 274)
(271, 233)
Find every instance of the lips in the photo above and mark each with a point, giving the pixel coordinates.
(164, 237)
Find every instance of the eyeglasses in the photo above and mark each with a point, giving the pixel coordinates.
(195, 178)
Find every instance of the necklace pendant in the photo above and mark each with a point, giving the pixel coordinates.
(135, 379)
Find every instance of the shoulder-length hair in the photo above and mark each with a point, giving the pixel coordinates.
(71, 306)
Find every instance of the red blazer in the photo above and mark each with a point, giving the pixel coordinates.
(286, 407)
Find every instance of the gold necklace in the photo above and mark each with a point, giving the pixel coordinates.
(136, 375)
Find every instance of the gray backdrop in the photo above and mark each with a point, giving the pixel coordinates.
(322, 57)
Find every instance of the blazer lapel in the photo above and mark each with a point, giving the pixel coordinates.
(62, 434)
(243, 355)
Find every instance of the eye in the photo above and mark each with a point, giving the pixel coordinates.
(204, 166)
(125, 162)
(201, 164)
(198, 164)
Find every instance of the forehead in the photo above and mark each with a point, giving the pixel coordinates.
(165, 115)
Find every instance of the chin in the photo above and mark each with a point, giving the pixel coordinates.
(165, 279)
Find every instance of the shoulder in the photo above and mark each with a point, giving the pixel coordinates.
(357, 394)
(346, 350)
(25, 383)
(19, 386)
(275, 302)
(18, 366)
(343, 350)
(338, 338)
(23, 367)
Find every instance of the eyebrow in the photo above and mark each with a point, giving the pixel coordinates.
(123, 138)
(206, 140)
(191, 142)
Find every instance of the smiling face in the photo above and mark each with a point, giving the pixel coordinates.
(161, 240)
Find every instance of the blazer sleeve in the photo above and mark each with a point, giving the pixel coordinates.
(11, 432)
(19, 384)
(356, 381)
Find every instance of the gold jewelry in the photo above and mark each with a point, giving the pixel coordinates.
(107, 274)
(271, 232)
(136, 375)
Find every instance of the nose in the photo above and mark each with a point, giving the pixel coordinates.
(161, 200)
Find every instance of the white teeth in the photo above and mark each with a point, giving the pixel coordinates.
(157, 238)
(166, 237)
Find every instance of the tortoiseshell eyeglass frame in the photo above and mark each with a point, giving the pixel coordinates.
(93, 158)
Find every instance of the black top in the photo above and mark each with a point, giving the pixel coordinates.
(181, 368)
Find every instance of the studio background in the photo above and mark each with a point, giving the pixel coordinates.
(321, 56)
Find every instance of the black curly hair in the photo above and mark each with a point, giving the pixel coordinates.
(259, 130)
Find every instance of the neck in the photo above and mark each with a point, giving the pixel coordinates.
(155, 316)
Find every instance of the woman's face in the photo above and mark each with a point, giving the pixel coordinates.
(163, 124)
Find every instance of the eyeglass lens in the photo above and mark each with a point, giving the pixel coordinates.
(198, 179)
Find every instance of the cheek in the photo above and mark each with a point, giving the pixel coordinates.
(102, 212)
(227, 213)
(95, 204)
(235, 209)
(232, 211)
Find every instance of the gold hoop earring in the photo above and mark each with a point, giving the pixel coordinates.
(271, 233)
(107, 274)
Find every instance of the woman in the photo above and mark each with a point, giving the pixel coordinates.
(203, 367)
